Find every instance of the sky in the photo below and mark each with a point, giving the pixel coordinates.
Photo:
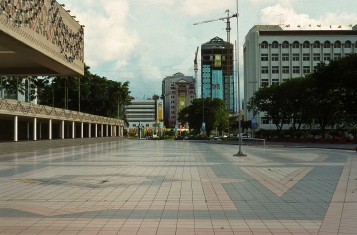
(143, 41)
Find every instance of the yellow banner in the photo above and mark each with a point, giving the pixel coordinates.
(217, 60)
(182, 102)
(159, 111)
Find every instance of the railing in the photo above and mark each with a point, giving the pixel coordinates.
(255, 140)
(19, 108)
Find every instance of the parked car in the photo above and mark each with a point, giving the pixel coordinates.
(179, 137)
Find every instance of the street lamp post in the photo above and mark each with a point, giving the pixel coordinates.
(240, 153)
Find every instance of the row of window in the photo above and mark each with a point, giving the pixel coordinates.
(267, 120)
(285, 69)
(147, 125)
(306, 44)
(305, 57)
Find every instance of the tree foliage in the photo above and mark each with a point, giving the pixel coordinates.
(211, 110)
(326, 97)
(89, 93)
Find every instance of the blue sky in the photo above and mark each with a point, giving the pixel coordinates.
(143, 41)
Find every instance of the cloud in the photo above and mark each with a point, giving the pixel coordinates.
(288, 16)
(202, 7)
(107, 37)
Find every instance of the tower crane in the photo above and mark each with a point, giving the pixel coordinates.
(196, 69)
(228, 70)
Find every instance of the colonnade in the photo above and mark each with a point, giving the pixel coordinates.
(99, 129)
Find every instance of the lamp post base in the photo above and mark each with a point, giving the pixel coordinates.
(240, 154)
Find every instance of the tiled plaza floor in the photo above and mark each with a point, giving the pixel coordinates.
(176, 187)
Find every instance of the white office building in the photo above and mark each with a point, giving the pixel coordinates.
(146, 113)
(272, 55)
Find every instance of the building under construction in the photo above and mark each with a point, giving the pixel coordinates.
(217, 72)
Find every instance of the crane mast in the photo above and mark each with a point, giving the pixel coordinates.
(228, 53)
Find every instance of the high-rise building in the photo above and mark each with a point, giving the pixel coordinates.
(272, 55)
(217, 72)
(178, 92)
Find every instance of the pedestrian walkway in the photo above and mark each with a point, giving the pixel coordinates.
(175, 187)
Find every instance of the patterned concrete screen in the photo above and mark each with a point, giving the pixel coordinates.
(39, 37)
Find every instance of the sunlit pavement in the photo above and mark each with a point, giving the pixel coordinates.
(147, 187)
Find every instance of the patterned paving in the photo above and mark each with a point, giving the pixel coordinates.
(177, 187)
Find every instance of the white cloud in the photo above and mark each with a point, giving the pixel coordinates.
(203, 7)
(288, 16)
(107, 37)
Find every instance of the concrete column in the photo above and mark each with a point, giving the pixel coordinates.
(101, 130)
(96, 130)
(89, 130)
(62, 129)
(50, 129)
(28, 130)
(73, 129)
(35, 129)
(16, 120)
(82, 130)
(106, 130)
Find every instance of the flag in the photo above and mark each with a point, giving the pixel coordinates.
(339, 26)
(288, 25)
(330, 27)
(298, 26)
(319, 25)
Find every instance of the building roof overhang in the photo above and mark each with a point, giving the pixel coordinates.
(48, 42)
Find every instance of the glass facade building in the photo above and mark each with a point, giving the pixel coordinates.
(217, 80)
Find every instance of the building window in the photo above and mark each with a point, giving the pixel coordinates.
(337, 44)
(315, 68)
(317, 57)
(296, 44)
(264, 57)
(275, 82)
(264, 45)
(264, 69)
(265, 120)
(348, 44)
(275, 44)
(274, 57)
(327, 44)
(134, 125)
(327, 56)
(306, 69)
(306, 44)
(306, 57)
(317, 44)
(347, 54)
(275, 69)
(296, 57)
(147, 125)
(285, 44)
(285, 69)
(285, 57)
(265, 82)
(337, 56)
(296, 69)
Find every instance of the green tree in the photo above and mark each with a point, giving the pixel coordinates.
(214, 116)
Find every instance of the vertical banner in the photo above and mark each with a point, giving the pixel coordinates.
(217, 60)
(182, 102)
(159, 110)
(254, 124)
